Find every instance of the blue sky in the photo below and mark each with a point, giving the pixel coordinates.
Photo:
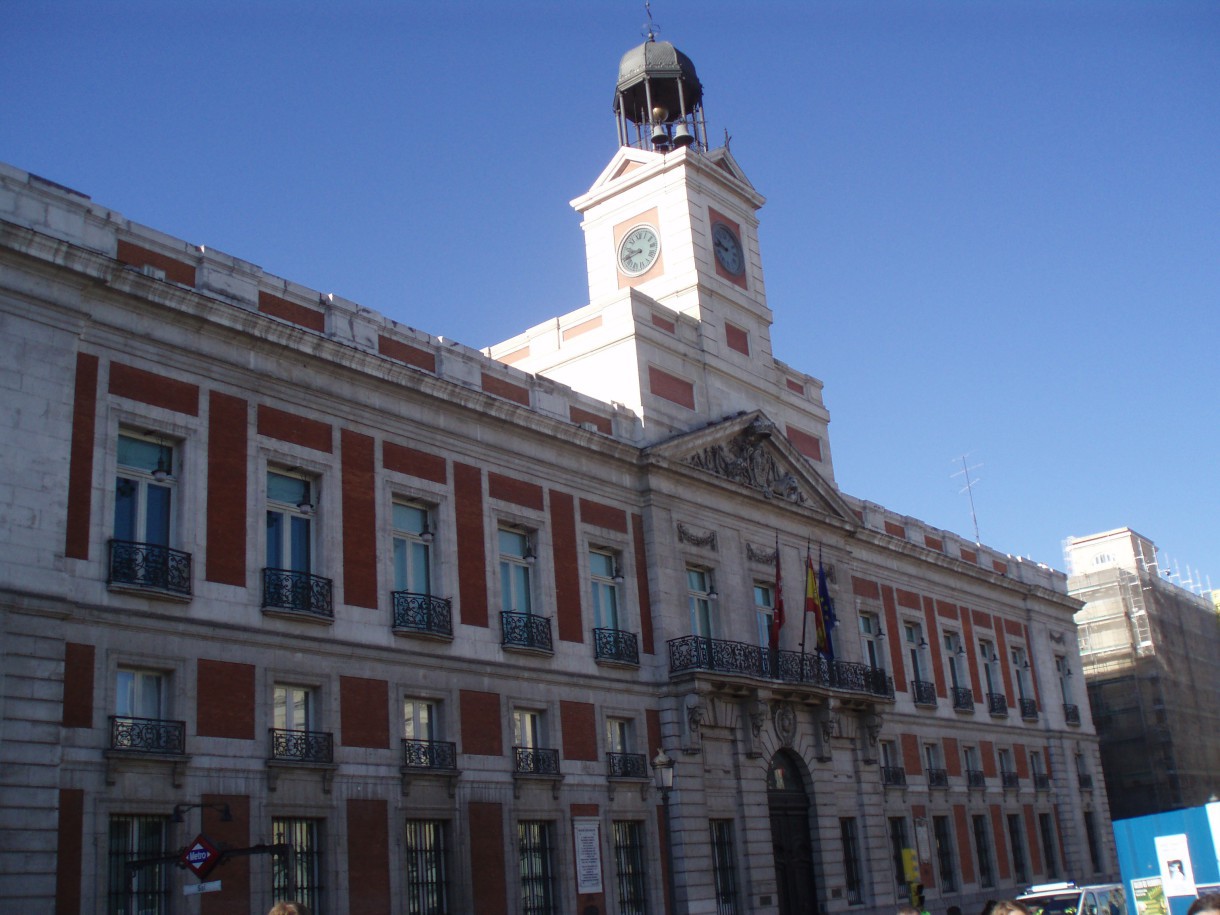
(992, 229)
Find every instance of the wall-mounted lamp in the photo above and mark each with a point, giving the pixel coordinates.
(923, 644)
(426, 534)
(529, 556)
(226, 815)
(618, 578)
(713, 594)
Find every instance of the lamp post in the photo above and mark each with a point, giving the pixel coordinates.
(663, 774)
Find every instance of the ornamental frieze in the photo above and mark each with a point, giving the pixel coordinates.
(745, 460)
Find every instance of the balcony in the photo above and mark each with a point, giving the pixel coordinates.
(975, 778)
(422, 614)
(963, 699)
(535, 761)
(627, 765)
(147, 735)
(298, 593)
(525, 630)
(923, 692)
(894, 776)
(1029, 709)
(317, 747)
(150, 567)
(1086, 781)
(938, 778)
(1071, 714)
(997, 704)
(696, 653)
(1010, 780)
(1042, 781)
(617, 646)
(429, 754)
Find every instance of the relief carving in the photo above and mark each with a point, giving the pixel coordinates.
(745, 460)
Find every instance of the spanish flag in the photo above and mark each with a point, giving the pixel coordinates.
(813, 604)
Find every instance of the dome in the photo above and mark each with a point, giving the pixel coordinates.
(656, 71)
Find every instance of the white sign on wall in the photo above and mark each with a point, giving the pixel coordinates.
(586, 837)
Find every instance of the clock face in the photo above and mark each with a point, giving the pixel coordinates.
(638, 250)
(727, 246)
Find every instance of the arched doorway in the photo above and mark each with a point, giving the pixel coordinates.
(791, 839)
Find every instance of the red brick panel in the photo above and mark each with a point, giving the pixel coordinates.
(972, 654)
(309, 318)
(515, 356)
(365, 713)
(471, 548)
(935, 648)
(480, 714)
(953, 757)
(987, 752)
(602, 515)
(228, 435)
(894, 640)
(1021, 761)
(933, 543)
(895, 530)
(641, 584)
(359, 520)
(234, 894)
(405, 352)
(80, 470)
(70, 843)
(506, 389)
(579, 730)
(1001, 650)
(78, 686)
(289, 427)
(912, 759)
(868, 590)
(671, 387)
(175, 270)
(664, 323)
(946, 610)
(603, 423)
(518, 492)
(795, 386)
(999, 837)
(652, 719)
(970, 556)
(1001, 567)
(1033, 668)
(567, 576)
(583, 328)
(415, 463)
(368, 857)
(487, 858)
(151, 388)
(964, 843)
(1033, 840)
(737, 339)
(224, 699)
(908, 600)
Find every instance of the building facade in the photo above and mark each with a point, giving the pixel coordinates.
(1148, 647)
(298, 600)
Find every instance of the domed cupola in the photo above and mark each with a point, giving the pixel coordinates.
(659, 94)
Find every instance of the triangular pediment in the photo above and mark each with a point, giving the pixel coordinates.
(750, 451)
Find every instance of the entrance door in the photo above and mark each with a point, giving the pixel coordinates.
(791, 839)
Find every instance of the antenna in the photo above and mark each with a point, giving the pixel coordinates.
(969, 488)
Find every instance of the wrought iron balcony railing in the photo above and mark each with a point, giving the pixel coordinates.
(893, 775)
(423, 613)
(963, 699)
(1086, 781)
(615, 645)
(1029, 709)
(693, 652)
(302, 746)
(1071, 713)
(525, 630)
(535, 761)
(1010, 780)
(997, 704)
(924, 692)
(301, 592)
(975, 778)
(627, 765)
(1042, 781)
(147, 565)
(147, 735)
(429, 754)
(938, 778)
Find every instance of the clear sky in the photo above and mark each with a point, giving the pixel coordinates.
(992, 229)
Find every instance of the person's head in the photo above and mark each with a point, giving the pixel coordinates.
(908, 910)
(1009, 907)
(1205, 905)
(289, 908)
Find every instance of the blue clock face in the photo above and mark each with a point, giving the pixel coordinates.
(638, 250)
(727, 247)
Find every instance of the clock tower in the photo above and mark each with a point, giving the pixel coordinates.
(677, 328)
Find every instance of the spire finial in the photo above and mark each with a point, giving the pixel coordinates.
(651, 27)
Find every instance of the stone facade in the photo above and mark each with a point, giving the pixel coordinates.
(325, 589)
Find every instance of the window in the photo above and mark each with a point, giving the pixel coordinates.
(630, 876)
(295, 729)
(140, 693)
(299, 876)
(294, 708)
(913, 633)
(141, 714)
(144, 890)
(427, 867)
(412, 547)
(1016, 838)
(870, 636)
(974, 769)
(956, 656)
(988, 657)
(1064, 673)
(700, 594)
(851, 860)
(619, 735)
(945, 858)
(892, 769)
(144, 487)
(1090, 831)
(1020, 664)
(532, 756)
(419, 719)
(289, 522)
(535, 846)
(982, 848)
(527, 728)
(938, 777)
(423, 746)
(516, 569)
(605, 577)
(724, 873)
(1050, 852)
(764, 605)
(898, 844)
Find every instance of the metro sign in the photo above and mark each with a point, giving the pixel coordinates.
(201, 856)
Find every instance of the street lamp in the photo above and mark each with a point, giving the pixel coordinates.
(226, 815)
(663, 774)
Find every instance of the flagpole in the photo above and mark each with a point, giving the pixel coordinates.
(804, 614)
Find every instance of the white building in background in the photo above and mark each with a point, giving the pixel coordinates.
(337, 609)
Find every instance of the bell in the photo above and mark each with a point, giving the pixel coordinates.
(660, 139)
(682, 136)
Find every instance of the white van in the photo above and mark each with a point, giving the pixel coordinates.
(1070, 899)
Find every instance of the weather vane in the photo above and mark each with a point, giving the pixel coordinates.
(651, 27)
